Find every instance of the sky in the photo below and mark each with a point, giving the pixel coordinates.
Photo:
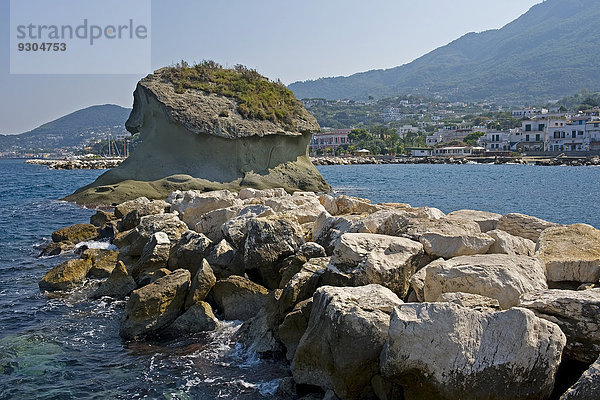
(289, 40)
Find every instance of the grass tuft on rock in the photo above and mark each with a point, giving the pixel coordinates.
(257, 97)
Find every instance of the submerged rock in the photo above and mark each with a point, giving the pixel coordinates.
(445, 351)
(192, 139)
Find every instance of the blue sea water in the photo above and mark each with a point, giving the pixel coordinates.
(67, 347)
(560, 194)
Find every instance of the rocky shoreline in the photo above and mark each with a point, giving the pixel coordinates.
(528, 160)
(364, 301)
(83, 163)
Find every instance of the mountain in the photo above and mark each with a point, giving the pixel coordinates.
(71, 131)
(551, 51)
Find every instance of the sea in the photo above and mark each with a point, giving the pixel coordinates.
(68, 347)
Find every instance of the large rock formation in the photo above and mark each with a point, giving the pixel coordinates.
(199, 130)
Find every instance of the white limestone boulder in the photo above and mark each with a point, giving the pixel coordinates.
(446, 351)
(505, 243)
(498, 276)
(523, 225)
(487, 221)
(192, 204)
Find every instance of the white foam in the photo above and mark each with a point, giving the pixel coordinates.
(95, 244)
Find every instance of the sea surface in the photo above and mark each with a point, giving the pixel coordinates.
(68, 347)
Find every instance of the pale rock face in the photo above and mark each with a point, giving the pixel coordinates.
(202, 283)
(234, 230)
(469, 300)
(346, 331)
(132, 218)
(370, 258)
(225, 260)
(269, 241)
(505, 243)
(571, 253)
(454, 244)
(193, 204)
(126, 207)
(149, 225)
(210, 223)
(487, 220)
(302, 208)
(576, 313)
(154, 256)
(446, 351)
(238, 298)
(189, 252)
(251, 194)
(344, 205)
(155, 306)
(498, 276)
(327, 229)
(587, 387)
(523, 225)
(417, 284)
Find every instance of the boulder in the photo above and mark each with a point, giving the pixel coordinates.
(259, 333)
(327, 229)
(133, 217)
(65, 276)
(417, 284)
(571, 253)
(189, 252)
(454, 244)
(498, 276)
(75, 233)
(193, 204)
(198, 318)
(154, 256)
(523, 225)
(269, 241)
(151, 224)
(103, 262)
(256, 194)
(344, 319)
(211, 222)
(225, 260)
(238, 298)
(505, 243)
(155, 306)
(234, 230)
(148, 277)
(587, 387)
(312, 250)
(56, 248)
(118, 285)
(121, 210)
(298, 207)
(470, 300)
(446, 351)
(101, 218)
(202, 282)
(371, 258)
(576, 313)
(343, 205)
(487, 221)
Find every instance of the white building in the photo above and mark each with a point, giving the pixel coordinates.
(447, 135)
(529, 112)
(455, 151)
(403, 130)
(496, 141)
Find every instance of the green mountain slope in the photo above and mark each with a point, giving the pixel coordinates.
(71, 131)
(551, 51)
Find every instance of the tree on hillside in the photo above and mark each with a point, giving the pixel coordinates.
(472, 138)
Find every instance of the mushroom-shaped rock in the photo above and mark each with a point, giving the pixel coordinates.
(209, 128)
(446, 351)
(346, 332)
(155, 306)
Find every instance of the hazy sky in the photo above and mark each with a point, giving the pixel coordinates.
(290, 40)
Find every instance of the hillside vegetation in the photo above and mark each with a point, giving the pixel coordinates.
(258, 97)
(549, 52)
